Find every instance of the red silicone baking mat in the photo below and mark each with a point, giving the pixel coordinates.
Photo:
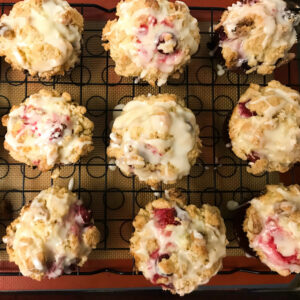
(217, 177)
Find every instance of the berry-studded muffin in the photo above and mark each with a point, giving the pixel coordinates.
(265, 128)
(155, 138)
(42, 37)
(272, 225)
(151, 39)
(48, 129)
(177, 246)
(257, 35)
(53, 234)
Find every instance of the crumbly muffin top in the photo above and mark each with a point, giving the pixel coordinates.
(155, 138)
(272, 225)
(156, 36)
(48, 129)
(53, 234)
(257, 34)
(41, 36)
(265, 127)
(176, 246)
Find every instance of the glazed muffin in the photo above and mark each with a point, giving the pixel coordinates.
(265, 128)
(151, 39)
(48, 129)
(257, 35)
(53, 234)
(177, 246)
(155, 138)
(42, 37)
(272, 225)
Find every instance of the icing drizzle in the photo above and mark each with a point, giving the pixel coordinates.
(160, 133)
(47, 21)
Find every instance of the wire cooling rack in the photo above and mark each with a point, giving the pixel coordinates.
(217, 177)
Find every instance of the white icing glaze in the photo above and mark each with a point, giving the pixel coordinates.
(47, 21)
(274, 17)
(112, 167)
(48, 128)
(43, 231)
(232, 205)
(145, 52)
(118, 110)
(165, 118)
(177, 241)
(283, 134)
(71, 184)
(220, 70)
(283, 247)
(279, 227)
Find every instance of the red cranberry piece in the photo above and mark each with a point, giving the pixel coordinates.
(154, 254)
(169, 286)
(24, 118)
(152, 21)
(165, 216)
(143, 30)
(161, 257)
(163, 40)
(167, 23)
(169, 244)
(71, 268)
(75, 228)
(168, 233)
(292, 259)
(153, 149)
(54, 268)
(156, 277)
(58, 132)
(84, 213)
(50, 265)
(246, 112)
(221, 33)
(274, 229)
(253, 157)
(36, 162)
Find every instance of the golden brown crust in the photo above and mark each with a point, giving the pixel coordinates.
(28, 46)
(276, 212)
(168, 109)
(264, 127)
(257, 34)
(175, 244)
(36, 241)
(79, 130)
(128, 48)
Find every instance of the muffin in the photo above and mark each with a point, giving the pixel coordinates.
(151, 39)
(53, 234)
(272, 225)
(265, 128)
(48, 129)
(177, 246)
(155, 138)
(42, 37)
(257, 35)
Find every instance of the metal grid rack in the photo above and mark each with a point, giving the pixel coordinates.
(212, 134)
